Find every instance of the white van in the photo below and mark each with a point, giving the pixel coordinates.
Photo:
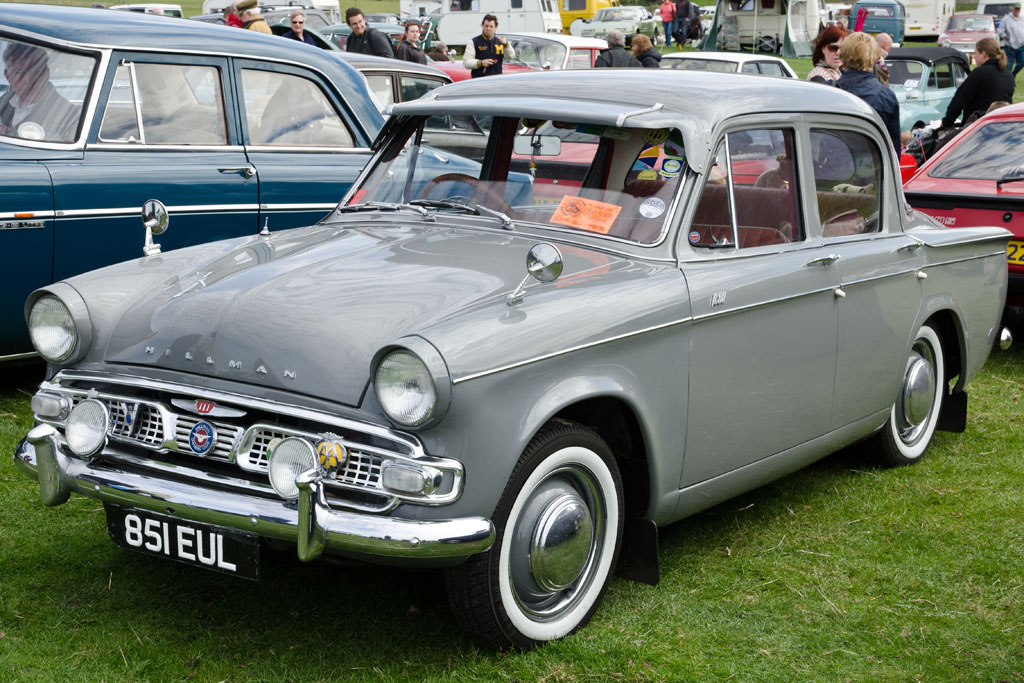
(999, 9)
(460, 19)
(152, 8)
(927, 18)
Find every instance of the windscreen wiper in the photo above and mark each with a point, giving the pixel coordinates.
(1013, 177)
(476, 209)
(383, 206)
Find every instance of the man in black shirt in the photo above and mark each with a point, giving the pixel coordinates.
(365, 40)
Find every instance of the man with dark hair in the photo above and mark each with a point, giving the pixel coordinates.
(486, 52)
(365, 40)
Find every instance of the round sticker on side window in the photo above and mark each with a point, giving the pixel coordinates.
(694, 236)
(652, 207)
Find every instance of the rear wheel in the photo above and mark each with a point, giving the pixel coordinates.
(558, 529)
(908, 431)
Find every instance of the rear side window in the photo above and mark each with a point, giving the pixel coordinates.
(165, 104)
(290, 111)
(847, 174)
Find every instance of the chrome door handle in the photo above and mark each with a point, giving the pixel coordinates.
(913, 246)
(247, 171)
(824, 260)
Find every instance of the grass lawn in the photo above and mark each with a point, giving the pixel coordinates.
(838, 572)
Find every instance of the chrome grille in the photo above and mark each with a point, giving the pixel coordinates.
(227, 436)
(149, 426)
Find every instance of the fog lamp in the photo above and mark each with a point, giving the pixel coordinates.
(410, 479)
(51, 406)
(86, 428)
(288, 459)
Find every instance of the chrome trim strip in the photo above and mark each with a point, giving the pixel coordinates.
(135, 210)
(563, 352)
(996, 254)
(20, 215)
(308, 150)
(759, 304)
(908, 271)
(40, 457)
(298, 207)
(19, 356)
(108, 146)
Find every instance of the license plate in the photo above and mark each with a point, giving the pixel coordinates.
(200, 545)
(1015, 252)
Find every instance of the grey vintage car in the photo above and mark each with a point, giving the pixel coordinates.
(693, 294)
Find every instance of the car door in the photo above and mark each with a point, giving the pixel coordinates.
(163, 130)
(763, 297)
(305, 144)
(858, 213)
(941, 87)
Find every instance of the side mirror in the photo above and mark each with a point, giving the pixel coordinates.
(543, 264)
(155, 219)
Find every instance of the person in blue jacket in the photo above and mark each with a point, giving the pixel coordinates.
(298, 32)
(859, 52)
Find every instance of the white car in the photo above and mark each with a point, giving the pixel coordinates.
(152, 8)
(556, 51)
(728, 62)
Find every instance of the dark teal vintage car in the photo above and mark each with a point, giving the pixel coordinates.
(101, 111)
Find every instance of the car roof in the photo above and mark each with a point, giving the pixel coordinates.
(568, 41)
(931, 55)
(694, 102)
(88, 27)
(371, 62)
(737, 57)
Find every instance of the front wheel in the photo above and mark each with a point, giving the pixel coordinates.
(908, 431)
(558, 529)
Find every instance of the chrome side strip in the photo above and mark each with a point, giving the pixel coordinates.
(739, 309)
(26, 215)
(136, 210)
(18, 356)
(579, 347)
(298, 207)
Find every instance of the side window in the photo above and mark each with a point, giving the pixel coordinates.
(517, 4)
(959, 74)
(380, 85)
(178, 104)
(943, 75)
(581, 59)
(287, 110)
(414, 87)
(749, 68)
(771, 69)
(847, 175)
(763, 192)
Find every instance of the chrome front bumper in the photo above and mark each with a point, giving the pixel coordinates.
(313, 525)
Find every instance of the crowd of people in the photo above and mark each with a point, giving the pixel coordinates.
(855, 62)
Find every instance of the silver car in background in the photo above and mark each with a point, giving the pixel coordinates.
(622, 314)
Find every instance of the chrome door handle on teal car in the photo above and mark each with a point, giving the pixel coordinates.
(247, 171)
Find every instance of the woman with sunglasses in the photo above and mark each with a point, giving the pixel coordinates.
(827, 64)
(298, 31)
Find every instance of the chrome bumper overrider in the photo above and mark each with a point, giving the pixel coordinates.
(314, 526)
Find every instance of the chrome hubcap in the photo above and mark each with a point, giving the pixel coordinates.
(917, 397)
(555, 543)
(561, 542)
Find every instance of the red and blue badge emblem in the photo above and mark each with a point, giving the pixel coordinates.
(202, 438)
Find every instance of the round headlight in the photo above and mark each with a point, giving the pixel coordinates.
(86, 428)
(288, 459)
(52, 329)
(946, 43)
(405, 388)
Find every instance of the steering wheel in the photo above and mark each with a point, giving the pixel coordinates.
(495, 200)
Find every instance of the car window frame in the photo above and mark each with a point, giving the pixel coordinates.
(361, 138)
(120, 57)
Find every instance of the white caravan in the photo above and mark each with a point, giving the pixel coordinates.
(332, 8)
(459, 20)
(926, 18)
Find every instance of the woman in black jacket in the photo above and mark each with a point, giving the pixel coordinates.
(645, 51)
(989, 82)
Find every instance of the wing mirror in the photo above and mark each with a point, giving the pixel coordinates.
(543, 264)
(155, 219)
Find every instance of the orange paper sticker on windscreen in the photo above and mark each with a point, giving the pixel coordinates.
(586, 214)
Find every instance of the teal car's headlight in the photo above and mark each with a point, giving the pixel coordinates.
(52, 329)
(411, 383)
(58, 323)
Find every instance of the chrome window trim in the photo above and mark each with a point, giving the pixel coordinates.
(571, 349)
(306, 150)
(108, 146)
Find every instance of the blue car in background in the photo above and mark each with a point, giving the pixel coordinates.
(925, 80)
(229, 129)
(880, 16)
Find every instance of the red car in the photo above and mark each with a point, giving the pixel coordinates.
(457, 72)
(978, 179)
(964, 30)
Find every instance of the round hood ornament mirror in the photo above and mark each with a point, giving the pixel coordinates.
(543, 263)
(155, 219)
